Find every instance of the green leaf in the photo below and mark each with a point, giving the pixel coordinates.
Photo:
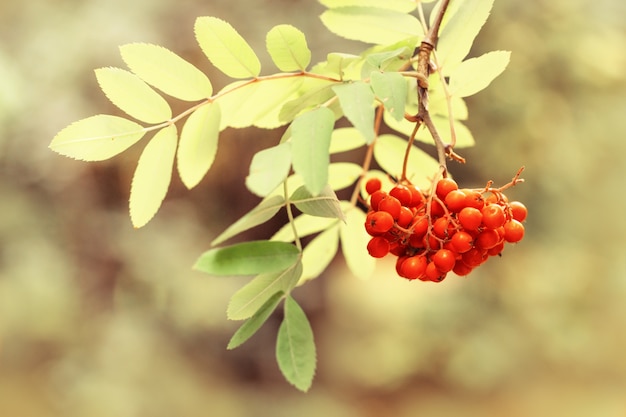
(357, 103)
(325, 204)
(346, 139)
(371, 24)
(252, 296)
(264, 211)
(269, 168)
(314, 92)
(198, 144)
(475, 74)
(97, 138)
(354, 240)
(437, 101)
(405, 6)
(305, 225)
(339, 65)
(457, 35)
(389, 153)
(295, 347)
(132, 95)
(310, 141)
(152, 176)
(390, 150)
(248, 258)
(319, 253)
(343, 174)
(288, 48)
(388, 58)
(254, 323)
(226, 49)
(257, 103)
(391, 88)
(166, 71)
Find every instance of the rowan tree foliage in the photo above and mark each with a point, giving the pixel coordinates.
(413, 78)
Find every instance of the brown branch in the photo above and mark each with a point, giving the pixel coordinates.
(423, 68)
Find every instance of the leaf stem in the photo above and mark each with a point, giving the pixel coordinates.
(222, 93)
(290, 217)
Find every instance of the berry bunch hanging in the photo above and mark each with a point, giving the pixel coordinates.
(449, 230)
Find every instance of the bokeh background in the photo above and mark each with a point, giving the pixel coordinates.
(99, 319)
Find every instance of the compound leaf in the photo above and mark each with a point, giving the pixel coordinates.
(288, 48)
(475, 74)
(457, 35)
(390, 149)
(252, 296)
(152, 176)
(353, 243)
(254, 323)
(391, 88)
(132, 95)
(371, 24)
(325, 204)
(295, 347)
(357, 103)
(311, 133)
(226, 49)
(97, 138)
(198, 144)
(248, 258)
(264, 211)
(269, 168)
(166, 71)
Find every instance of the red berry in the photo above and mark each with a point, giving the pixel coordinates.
(462, 241)
(461, 269)
(402, 193)
(372, 185)
(378, 247)
(487, 239)
(493, 216)
(496, 250)
(444, 186)
(413, 267)
(406, 215)
(432, 273)
(518, 210)
(442, 228)
(378, 222)
(444, 259)
(420, 226)
(470, 218)
(513, 231)
(474, 257)
(376, 198)
(455, 201)
(474, 199)
(390, 205)
(436, 209)
(417, 197)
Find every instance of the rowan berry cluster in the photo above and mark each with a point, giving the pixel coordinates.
(451, 230)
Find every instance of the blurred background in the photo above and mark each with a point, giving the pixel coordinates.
(99, 319)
